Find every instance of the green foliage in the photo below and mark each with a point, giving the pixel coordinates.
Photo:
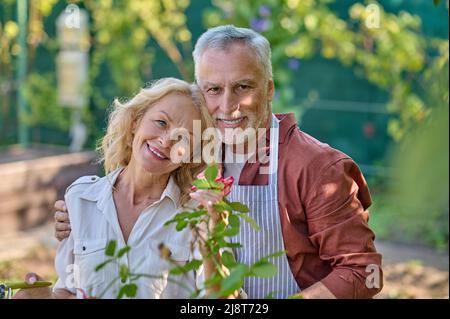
(111, 248)
(121, 40)
(10, 49)
(123, 36)
(216, 240)
(413, 207)
(129, 290)
(41, 94)
(388, 50)
(422, 179)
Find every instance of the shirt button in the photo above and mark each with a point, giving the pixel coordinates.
(84, 247)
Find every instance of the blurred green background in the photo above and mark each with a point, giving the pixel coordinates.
(369, 78)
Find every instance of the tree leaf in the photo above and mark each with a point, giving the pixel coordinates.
(186, 215)
(193, 264)
(217, 185)
(239, 207)
(228, 259)
(123, 251)
(211, 172)
(111, 248)
(296, 296)
(270, 296)
(181, 225)
(222, 206)
(264, 270)
(218, 229)
(234, 221)
(233, 245)
(276, 254)
(201, 184)
(234, 281)
(231, 231)
(103, 264)
(123, 273)
(128, 290)
(251, 221)
(197, 213)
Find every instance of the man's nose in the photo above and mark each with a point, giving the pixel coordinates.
(229, 103)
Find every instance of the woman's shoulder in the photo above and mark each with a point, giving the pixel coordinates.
(90, 186)
(82, 183)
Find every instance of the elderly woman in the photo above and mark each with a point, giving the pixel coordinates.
(144, 187)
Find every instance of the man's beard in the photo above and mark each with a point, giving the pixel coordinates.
(262, 122)
(254, 132)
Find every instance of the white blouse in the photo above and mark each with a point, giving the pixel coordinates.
(94, 222)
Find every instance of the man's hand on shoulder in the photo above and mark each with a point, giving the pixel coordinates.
(62, 222)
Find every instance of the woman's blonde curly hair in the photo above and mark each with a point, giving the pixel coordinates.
(115, 147)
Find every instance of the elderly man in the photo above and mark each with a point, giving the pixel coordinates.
(312, 204)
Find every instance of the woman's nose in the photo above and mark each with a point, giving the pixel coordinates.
(165, 140)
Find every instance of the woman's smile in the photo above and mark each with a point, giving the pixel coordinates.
(156, 153)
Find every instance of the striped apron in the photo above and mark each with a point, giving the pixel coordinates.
(263, 204)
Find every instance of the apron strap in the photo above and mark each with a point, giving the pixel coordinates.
(273, 158)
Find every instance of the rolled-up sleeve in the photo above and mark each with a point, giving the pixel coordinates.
(338, 226)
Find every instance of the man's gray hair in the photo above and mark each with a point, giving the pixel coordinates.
(223, 37)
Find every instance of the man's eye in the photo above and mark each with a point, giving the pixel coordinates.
(244, 87)
(213, 90)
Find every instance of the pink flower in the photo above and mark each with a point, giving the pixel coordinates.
(201, 175)
(227, 182)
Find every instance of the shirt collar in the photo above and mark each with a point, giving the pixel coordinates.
(288, 122)
(101, 191)
(172, 191)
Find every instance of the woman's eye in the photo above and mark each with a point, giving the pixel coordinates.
(161, 122)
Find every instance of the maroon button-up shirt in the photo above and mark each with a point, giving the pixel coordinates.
(323, 200)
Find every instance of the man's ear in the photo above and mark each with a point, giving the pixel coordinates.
(270, 89)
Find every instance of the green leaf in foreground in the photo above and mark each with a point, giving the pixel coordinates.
(211, 173)
(181, 225)
(234, 281)
(239, 207)
(228, 259)
(111, 248)
(193, 264)
(103, 264)
(123, 251)
(264, 270)
(201, 184)
(123, 273)
(251, 221)
(128, 290)
(222, 206)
